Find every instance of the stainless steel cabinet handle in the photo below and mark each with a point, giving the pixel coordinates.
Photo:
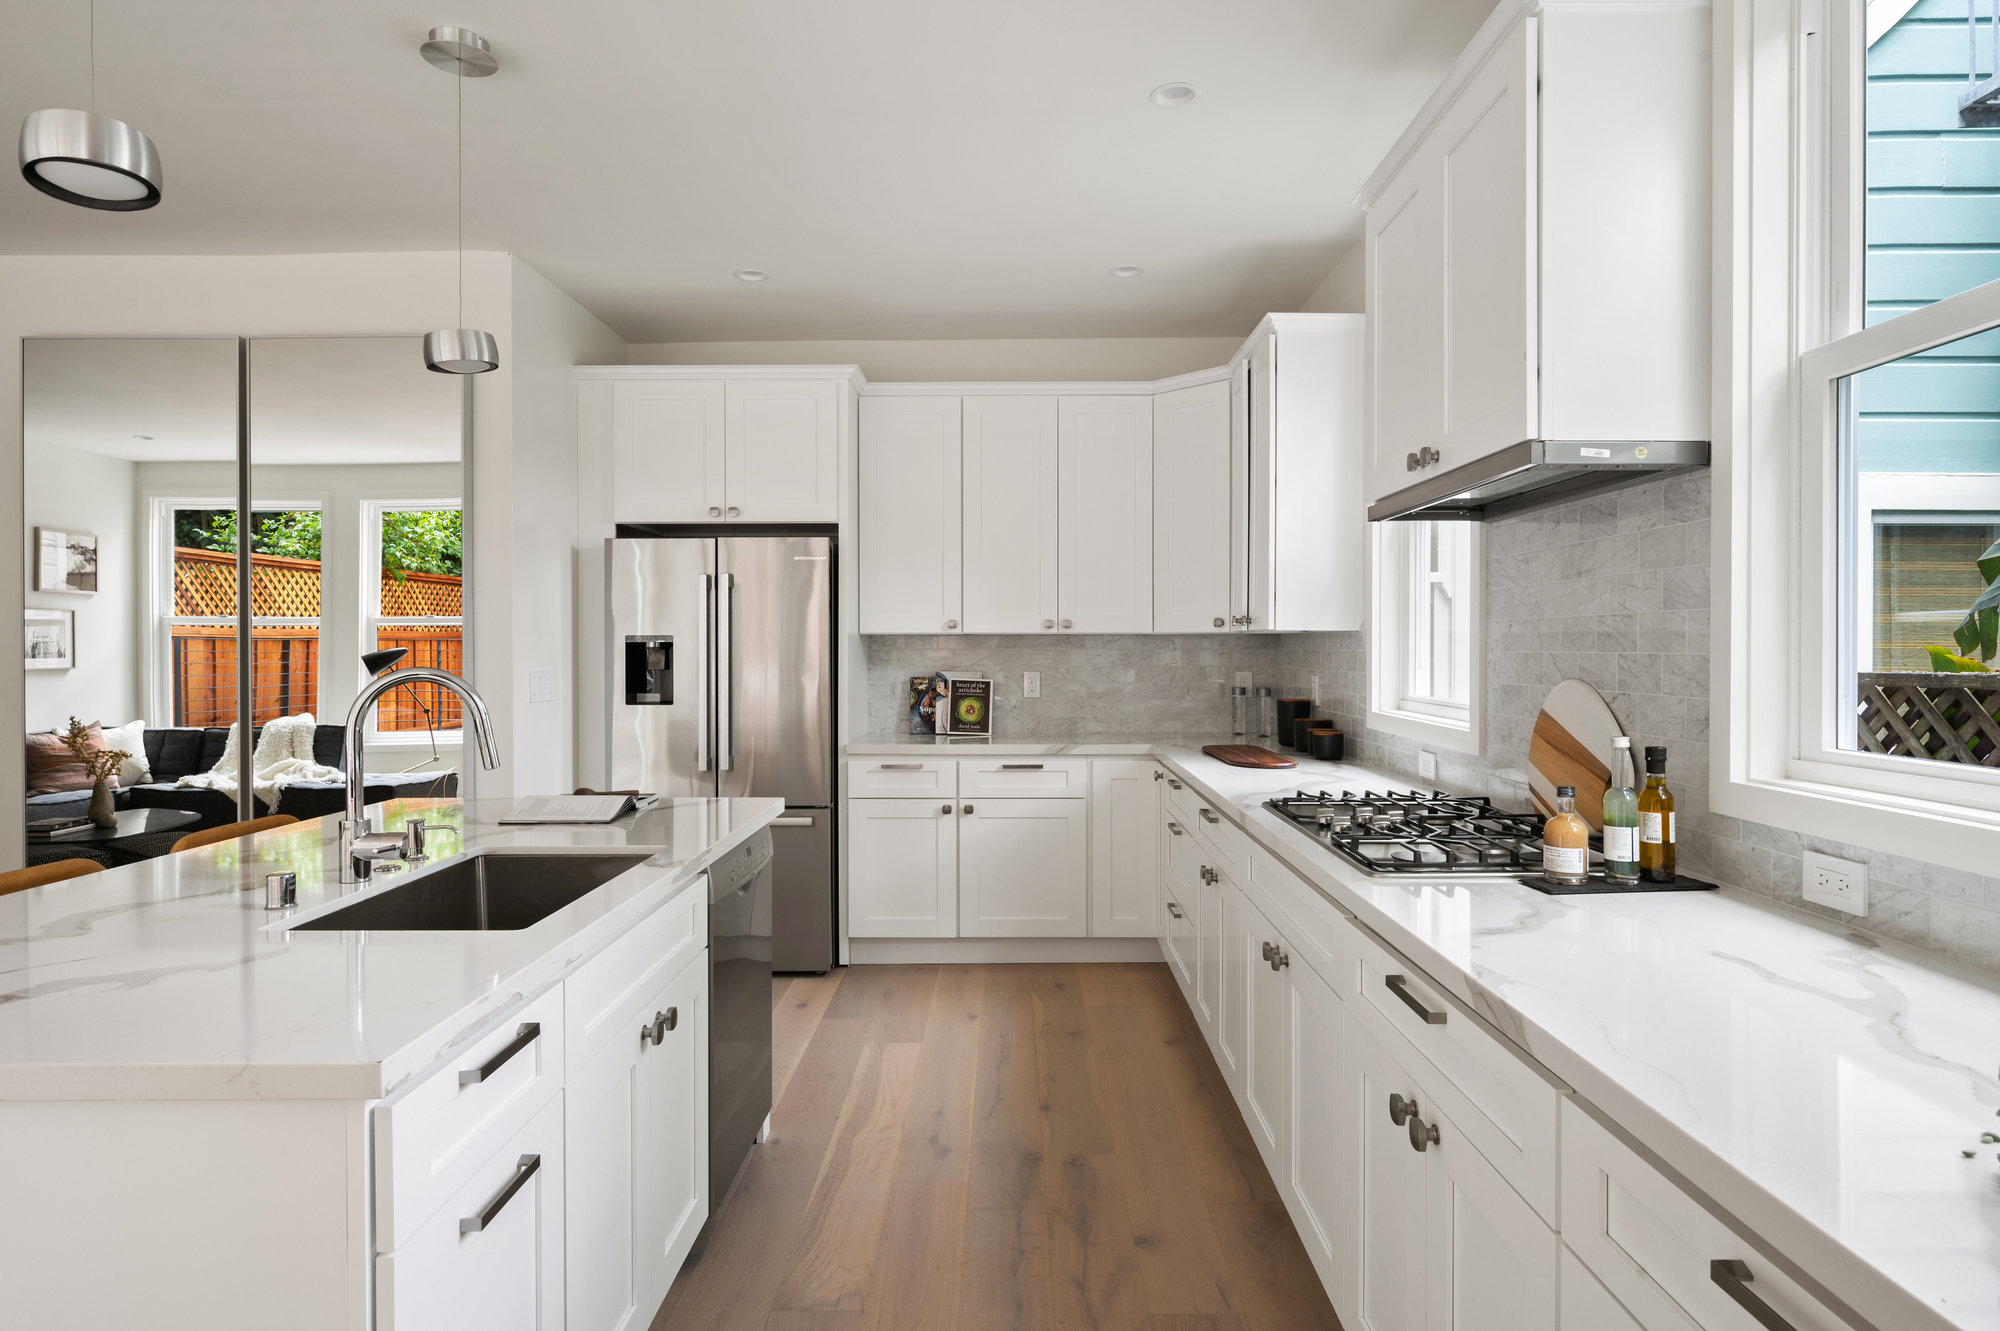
(1208, 815)
(899, 767)
(523, 1037)
(1735, 1278)
(1175, 911)
(1176, 829)
(714, 512)
(1218, 621)
(1065, 623)
(735, 512)
(965, 808)
(524, 1169)
(1400, 1109)
(1423, 1135)
(654, 1031)
(1048, 623)
(791, 822)
(1400, 986)
(951, 623)
(1175, 784)
(1020, 767)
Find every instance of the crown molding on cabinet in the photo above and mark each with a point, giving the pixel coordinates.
(851, 373)
(1058, 388)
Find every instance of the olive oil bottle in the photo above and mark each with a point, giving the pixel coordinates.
(1621, 817)
(1656, 820)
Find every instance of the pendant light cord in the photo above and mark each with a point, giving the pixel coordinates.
(93, 57)
(459, 80)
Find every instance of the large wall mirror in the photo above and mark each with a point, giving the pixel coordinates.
(146, 462)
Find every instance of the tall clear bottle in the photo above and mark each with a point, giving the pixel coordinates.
(1621, 817)
(1239, 711)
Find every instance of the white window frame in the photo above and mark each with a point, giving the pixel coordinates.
(1393, 594)
(372, 618)
(1788, 313)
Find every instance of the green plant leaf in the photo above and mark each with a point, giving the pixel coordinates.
(1946, 662)
(1989, 563)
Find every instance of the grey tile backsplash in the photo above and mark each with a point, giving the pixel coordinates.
(1612, 589)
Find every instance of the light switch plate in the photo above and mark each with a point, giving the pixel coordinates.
(1841, 884)
(1427, 765)
(1031, 683)
(541, 686)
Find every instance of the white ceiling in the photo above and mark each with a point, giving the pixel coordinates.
(901, 168)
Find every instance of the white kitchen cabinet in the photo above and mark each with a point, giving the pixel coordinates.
(1232, 1029)
(1537, 262)
(1125, 863)
(1386, 1195)
(1267, 1052)
(910, 528)
(1490, 1259)
(493, 1255)
(781, 454)
(1316, 1176)
(1192, 506)
(1022, 868)
(1583, 1303)
(1010, 484)
(1208, 894)
(902, 874)
(1301, 424)
(1104, 488)
(1177, 936)
(668, 451)
(637, 1136)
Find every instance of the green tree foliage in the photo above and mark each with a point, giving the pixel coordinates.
(423, 541)
(292, 534)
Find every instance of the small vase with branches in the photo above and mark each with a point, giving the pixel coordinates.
(100, 765)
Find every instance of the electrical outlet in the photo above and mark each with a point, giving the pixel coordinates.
(541, 686)
(1243, 679)
(1841, 884)
(1427, 765)
(1315, 694)
(1031, 683)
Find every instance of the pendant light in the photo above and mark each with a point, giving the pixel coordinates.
(87, 159)
(463, 54)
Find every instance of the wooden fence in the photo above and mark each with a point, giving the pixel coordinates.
(1945, 718)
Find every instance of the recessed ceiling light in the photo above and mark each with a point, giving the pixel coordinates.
(1173, 94)
(751, 274)
(1126, 270)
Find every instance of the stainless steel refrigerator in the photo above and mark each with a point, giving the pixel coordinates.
(722, 684)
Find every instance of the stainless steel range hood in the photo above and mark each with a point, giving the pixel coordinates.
(1535, 474)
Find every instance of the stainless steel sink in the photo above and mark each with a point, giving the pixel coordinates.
(490, 890)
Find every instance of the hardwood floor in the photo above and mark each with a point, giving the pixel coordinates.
(997, 1148)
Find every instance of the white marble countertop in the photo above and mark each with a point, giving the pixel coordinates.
(1818, 1085)
(164, 979)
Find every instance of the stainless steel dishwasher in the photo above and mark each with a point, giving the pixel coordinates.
(739, 986)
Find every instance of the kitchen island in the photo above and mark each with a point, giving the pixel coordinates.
(210, 1117)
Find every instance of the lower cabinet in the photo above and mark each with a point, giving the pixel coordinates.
(1232, 1024)
(492, 1256)
(1125, 865)
(1021, 868)
(1316, 1174)
(637, 1137)
(1267, 1054)
(1177, 939)
(902, 857)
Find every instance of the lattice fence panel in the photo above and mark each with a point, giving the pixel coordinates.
(417, 594)
(1945, 718)
(205, 584)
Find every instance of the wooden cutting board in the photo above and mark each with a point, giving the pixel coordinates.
(1571, 746)
(1249, 755)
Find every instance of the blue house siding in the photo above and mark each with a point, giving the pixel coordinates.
(1933, 230)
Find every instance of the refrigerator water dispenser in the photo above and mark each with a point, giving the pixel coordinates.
(649, 672)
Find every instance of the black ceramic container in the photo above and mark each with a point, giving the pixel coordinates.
(1290, 710)
(1302, 728)
(1329, 746)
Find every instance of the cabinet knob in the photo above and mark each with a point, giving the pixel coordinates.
(735, 512)
(946, 811)
(1423, 1135)
(1423, 457)
(714, 512)
(965, 808)
(951, 623)
(1399, 1108)
(1158, 775)
(1218, 621)
(1065, 623)
(1048, 623)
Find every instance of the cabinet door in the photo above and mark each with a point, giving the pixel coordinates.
(507, 1273)
(1487, 169)
(671, 1095)
(902, 868)
(1260, 396)
(910, 528)
(1405, 360)
(604, 1285)
(1490, 1261)
(1317, 1185)
(1191, 510)
(1232, 1000)
(1177, 935)
(1010, 486)
(1267, 1044)
(1104, 488)
(1386, 1196)
(1208, 949)
(1021, 868)
(1125, 863)
(783, 450)
(1584, 1304)
(667, 450)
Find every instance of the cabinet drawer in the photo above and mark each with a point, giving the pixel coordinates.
(1226, 844)
(1655, 1247)
(1177, 933)
(1032, 778)
(598, 994)
(508, 1270)
(1320, 931)
(1503, 1104)
(1185, 855)
(897, 778)
(429, 1140)
(1181, 800)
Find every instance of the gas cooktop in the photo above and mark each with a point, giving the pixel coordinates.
(1409, 832)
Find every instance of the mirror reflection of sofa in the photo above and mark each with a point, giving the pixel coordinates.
(172, 753)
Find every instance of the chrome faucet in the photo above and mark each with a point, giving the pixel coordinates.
(359, 842)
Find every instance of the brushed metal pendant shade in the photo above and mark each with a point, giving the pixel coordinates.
(461, 351)
(90, 160)
(463, 54)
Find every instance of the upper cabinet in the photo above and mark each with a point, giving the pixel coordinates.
(1538, 245)
(1104, 492)
(1011, 546)
(1193, 535)
(743, 448)
(910, 515)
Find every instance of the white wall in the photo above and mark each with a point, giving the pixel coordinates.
(73, 490)
(1343, 291)
(999, 359)
(394, 295)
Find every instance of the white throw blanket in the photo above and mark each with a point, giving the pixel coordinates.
(284, 757)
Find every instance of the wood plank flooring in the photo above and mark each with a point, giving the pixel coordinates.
(998, 1148)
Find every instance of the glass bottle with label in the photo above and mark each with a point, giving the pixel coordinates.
(1656, 820)
(1566, 843)
(1621, 817)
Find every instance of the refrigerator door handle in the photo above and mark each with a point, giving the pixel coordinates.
(701, 655)
(725, 668)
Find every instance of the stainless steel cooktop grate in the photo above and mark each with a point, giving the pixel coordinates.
(1411, 832)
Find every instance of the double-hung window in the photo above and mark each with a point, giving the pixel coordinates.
(1860, 695)
(413, 598)
(1425, 677)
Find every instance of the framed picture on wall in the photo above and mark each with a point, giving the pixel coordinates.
(51, 641)
(65, 561)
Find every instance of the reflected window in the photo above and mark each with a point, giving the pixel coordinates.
(285, 563)
(414, 576)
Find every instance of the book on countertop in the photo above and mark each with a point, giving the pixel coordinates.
(42, 828)
(578, 808)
